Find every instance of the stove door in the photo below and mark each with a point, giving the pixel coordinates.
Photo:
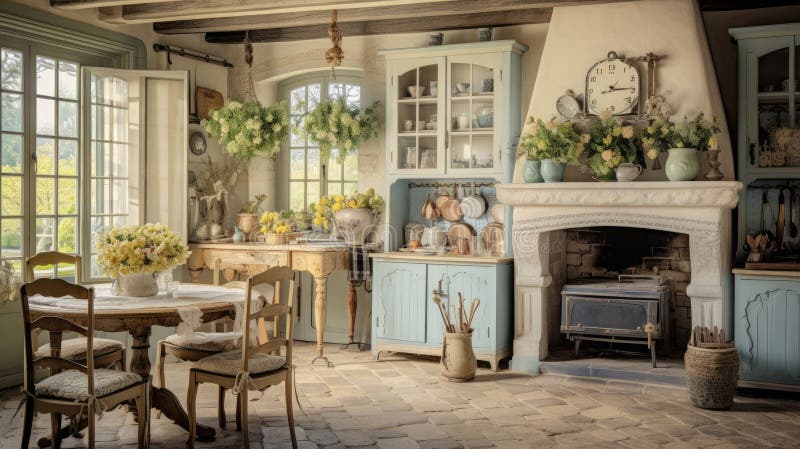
(608, 316)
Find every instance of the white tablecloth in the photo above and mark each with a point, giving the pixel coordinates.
(187, 300)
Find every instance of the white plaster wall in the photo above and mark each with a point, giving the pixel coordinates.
(274, 62)
(579, 36)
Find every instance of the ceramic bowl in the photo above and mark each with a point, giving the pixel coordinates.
(415, 91)
(462, 88)
(486, 120)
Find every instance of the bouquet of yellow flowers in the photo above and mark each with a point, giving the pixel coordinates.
(275, 223)
(328, 205)
(696, 132)
(610, 143)
(150, 248)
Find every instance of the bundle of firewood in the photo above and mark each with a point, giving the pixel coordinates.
(703, 337)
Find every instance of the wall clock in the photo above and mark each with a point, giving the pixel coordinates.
(197, 143)
(612, 84)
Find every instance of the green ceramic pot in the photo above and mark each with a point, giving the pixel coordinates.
(532, 171)
(552, 170)
(682, 164)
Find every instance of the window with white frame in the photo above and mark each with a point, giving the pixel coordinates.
(306, 176)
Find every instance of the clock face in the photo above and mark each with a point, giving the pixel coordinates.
(567, 106)
(612, 85)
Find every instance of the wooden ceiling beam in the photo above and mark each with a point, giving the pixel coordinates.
(309, 18)
(392, 26)
(89, 4)
(209, 9)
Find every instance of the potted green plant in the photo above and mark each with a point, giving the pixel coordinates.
(610, 144)
(554, 144)
(248, 217)
(354, 215)
(682, 140)
(248, 129)
(335, 124)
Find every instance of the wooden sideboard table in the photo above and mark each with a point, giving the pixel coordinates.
(253, 257)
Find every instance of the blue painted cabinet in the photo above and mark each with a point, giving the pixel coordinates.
(405, 318)
(767, 328)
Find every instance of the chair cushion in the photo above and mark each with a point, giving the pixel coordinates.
(75, 348)
(73, 384)
(229, 363)
(207, 341)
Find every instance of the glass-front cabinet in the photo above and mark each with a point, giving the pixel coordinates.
(443, 104)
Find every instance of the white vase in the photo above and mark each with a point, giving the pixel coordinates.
(137, 284)
(354, 224)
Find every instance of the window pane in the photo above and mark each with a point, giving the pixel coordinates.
(11, 237)
(101, 197)
(297, 139)
(334, 167)
(68, 196)
(101, 158)
(67, 235)
(45, 76)
(11, 195)
(68, 80)
(312, 195)
(313, 163)
(119, 162)
(11, 69)
(351, 167)
(336, 91)
(297, 164)
(297, 100)
(45, 156)
(120, 196)
(11, 112)
(313, 95)
(45, 116)
(350, 188)
(11, 154)
(297, 194)
(334, 188)
(99, 225)
(44, 234)
(120, 130)
(68, 119)
(67, 157)
(45, 196)
(353, 95)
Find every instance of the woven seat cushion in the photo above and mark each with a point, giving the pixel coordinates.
(207, 341)
(75, 348)
(229, 363)
(73, 384)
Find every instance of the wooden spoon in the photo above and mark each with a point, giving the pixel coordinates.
(792, 212)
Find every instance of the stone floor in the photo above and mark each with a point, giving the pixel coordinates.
(401, 402)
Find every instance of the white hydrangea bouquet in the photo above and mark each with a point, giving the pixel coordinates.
(247, 129)
(9, 282)
(334, 124)
(150, 248)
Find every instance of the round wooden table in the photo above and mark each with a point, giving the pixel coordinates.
(217, 302)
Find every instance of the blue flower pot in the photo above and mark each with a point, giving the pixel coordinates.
(532, 171)
(682, 164)
(552, 171)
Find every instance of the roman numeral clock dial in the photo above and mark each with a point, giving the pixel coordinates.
(612, 85)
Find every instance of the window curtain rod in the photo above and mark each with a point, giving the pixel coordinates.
(191, 54)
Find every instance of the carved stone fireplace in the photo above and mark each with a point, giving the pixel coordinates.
(699, 209)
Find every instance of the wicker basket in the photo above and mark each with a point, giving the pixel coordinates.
(712, 376)
(280, 239)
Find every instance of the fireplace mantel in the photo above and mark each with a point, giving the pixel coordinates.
(700, 209)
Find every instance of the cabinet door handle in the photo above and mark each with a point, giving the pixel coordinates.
(752, 153)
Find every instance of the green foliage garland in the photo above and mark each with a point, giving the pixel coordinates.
(247, 129)
(334, 124)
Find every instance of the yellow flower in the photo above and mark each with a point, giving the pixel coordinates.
(617, 131)
(605, 115)
(649, 130)
(585, 138)
(325, 223)
(652, 154)
(607, 155)
(317, 221)
(712, 142)
(351, 204)
(607, 140)
(337, 207)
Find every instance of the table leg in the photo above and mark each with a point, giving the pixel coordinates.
(352, 305)
(161, 398)
(319, 315)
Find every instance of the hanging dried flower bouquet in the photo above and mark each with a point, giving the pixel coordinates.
(248, 129)
(335, 124)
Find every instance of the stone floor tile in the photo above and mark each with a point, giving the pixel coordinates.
(398, 443)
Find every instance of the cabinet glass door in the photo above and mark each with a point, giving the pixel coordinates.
(419, 105)
(473, 110)
(773, 68)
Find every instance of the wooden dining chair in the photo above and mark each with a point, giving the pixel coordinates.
(75, 390)
(254, 367)
(106, 352)
(194, 346)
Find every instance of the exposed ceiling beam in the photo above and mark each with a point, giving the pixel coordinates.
(209, 9)
(308, 18)
(730, 5)
(375, 27)
(88, 4)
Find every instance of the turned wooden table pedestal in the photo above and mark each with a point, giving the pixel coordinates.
(138, 322)
(251, 258)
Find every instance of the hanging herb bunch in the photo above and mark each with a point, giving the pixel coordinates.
(248, 129)
(335, 124)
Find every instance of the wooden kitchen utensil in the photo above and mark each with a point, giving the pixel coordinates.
(460, 237)
(493, 239)
(451, 211)
(429, 210)
(792, 212)
(780, 225)
(207, 100)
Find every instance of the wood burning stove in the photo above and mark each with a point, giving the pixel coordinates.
(634, 309)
